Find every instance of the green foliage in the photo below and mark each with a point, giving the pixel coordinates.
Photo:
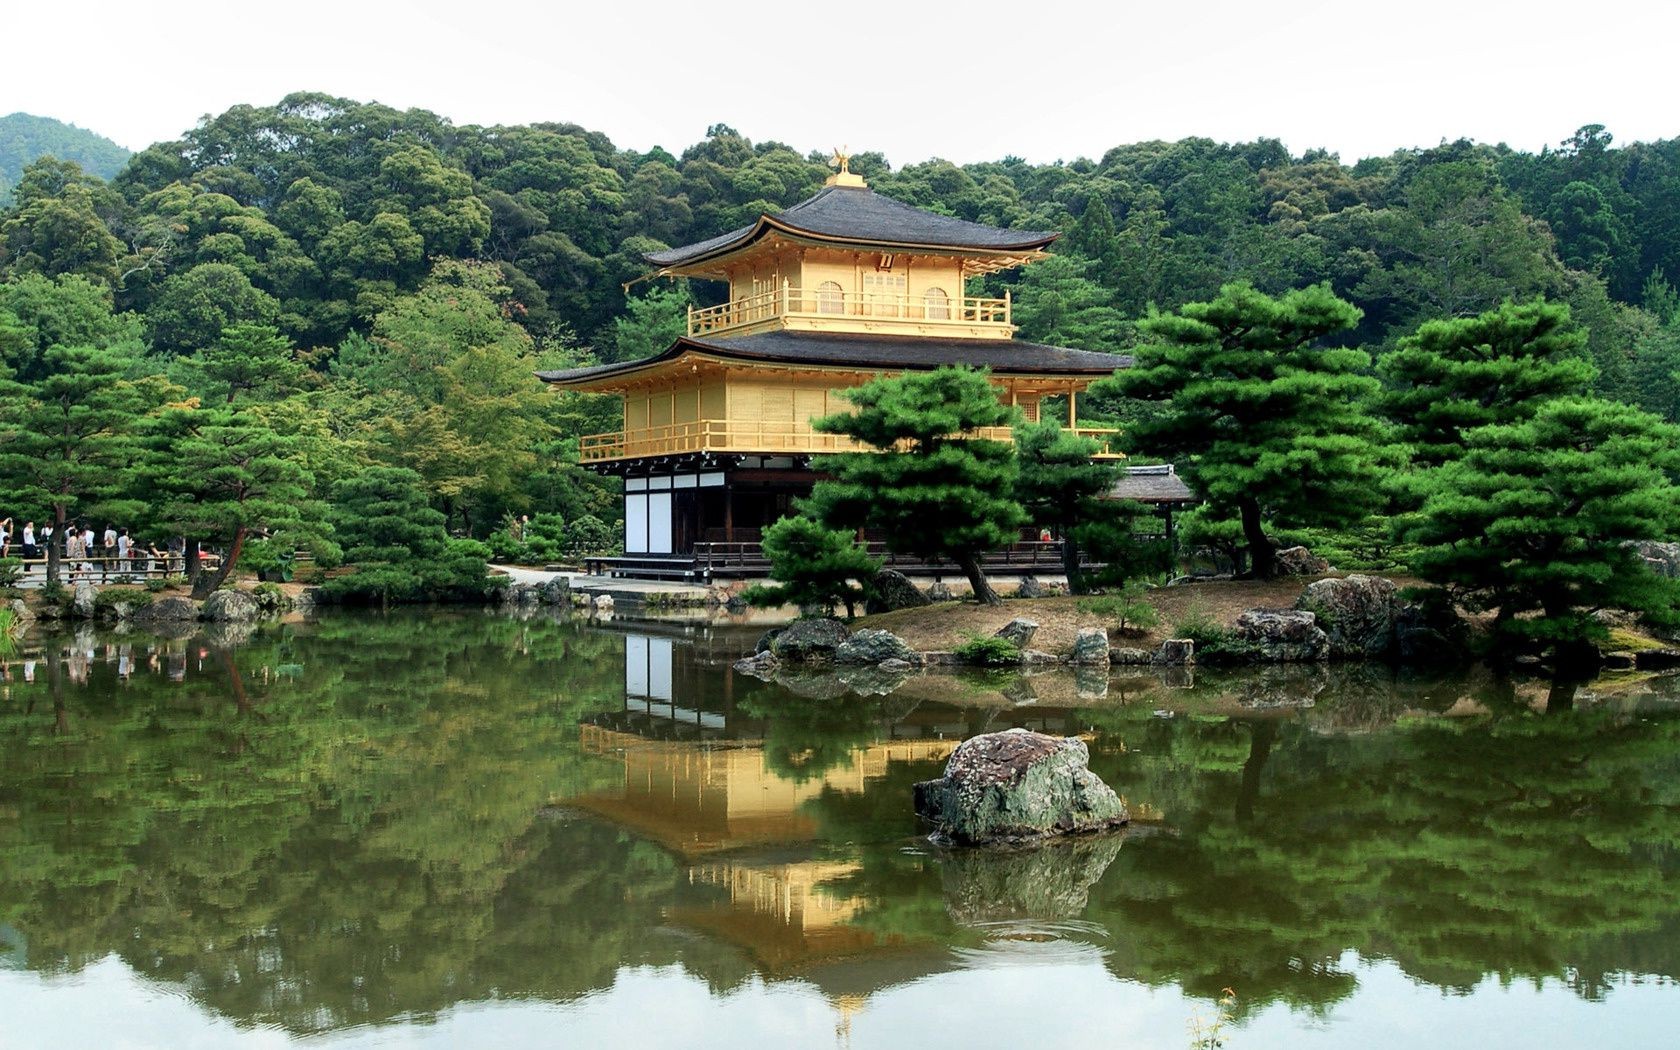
(1536, 520)
(1264, 418)
(395, 543)
(1498, 367)
(929, 490)
(588, 534)
(25, 139)
(1129, 608)
(814, 567)
(1199, 625)
(651, 323)
(988, 652)
(1060, 484)
(11, 571)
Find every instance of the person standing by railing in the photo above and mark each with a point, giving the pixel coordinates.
(29, 550)
(5, 536)
(124, 545)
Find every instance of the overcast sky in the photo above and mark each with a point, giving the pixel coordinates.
(965, 80)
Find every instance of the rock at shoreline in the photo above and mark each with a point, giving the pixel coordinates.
(1283, 635)
(174, 609)
(767, 640)
(1018, 632)
(557, 591)
(1127, 655)
(21, 616)
(761, 664)
(1356, 614)
(1018, 786)
(1298, 561)
(1090, 647)
(891, 590)
(811, 640)
(230, 607)
(870, 646)
(1175, 652)
(84, 600)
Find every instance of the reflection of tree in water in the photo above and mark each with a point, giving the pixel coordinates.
(1512, 846)
(366, 835)
(354, 839)
(805, 736)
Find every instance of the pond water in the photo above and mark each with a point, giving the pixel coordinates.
(463, 829)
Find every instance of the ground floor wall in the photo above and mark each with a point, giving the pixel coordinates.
(670, 511)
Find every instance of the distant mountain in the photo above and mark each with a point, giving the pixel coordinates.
(23, 138)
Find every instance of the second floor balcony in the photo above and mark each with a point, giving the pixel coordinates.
(761, 437)
(830, 308)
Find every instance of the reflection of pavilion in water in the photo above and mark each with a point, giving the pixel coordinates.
(699, 781)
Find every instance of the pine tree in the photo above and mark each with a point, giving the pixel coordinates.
(1262, 417)
(250, 358)
(69, 440)
(814, 567)
(1060, 484)
(225, 473)
(934, 489)
(396, 541)
(1536, 520)
(1497, 368)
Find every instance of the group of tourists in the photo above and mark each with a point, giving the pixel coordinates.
(114, 552)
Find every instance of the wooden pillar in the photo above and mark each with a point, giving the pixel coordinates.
(728, 510)
(1071, 414)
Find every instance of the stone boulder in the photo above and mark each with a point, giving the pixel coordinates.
(1175, 652)
(1431, 633)
(1017, 786)
(870, 646)
(761, 664)
(22, 617)
(1282, 635)
(1019, 632)
(940, 593)
(1124, 654)
(767, 640)
(1661, 558)
(84, 600)
(557, 591)
(1029, 587)
(230, 607)
(813, 640)
(891, 590)
(174, 609)
(1298, 561)
(1090, 647)
(602, 603)
(1356, 614)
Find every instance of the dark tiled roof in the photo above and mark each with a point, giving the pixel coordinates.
(821, 349)
(1159, 484)
(862, 216)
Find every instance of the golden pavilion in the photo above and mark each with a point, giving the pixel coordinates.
(716, 441)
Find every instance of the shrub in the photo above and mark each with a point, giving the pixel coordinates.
(155, 585)
(590, 535)
(271, 561)
(1129, 608)
(1198, 625)
(545, 537)
(988, 652)
(11, 571)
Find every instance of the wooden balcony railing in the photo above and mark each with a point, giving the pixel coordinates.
(819, 304)
(758, 436)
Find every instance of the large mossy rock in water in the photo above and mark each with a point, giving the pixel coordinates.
(1356, 613)
(173, 609)
(1018, 786)
(813, 640)
(891, 590)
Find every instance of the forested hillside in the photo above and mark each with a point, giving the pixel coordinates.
(415, 272)
(25, 138)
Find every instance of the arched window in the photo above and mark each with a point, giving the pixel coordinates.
(937, 305)
(830, 299)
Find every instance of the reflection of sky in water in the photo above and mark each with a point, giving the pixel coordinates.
(1049, 1006)
(1034, 942)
